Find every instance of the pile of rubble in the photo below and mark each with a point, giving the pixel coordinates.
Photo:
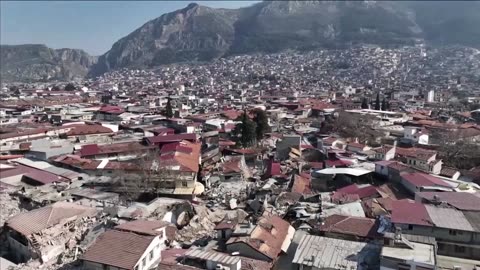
(9, 206)
(202, 224)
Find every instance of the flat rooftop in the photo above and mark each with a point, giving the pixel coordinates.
(421, 253)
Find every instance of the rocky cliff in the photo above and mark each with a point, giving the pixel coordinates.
(40, 63)
(202, 33)
(197, 33)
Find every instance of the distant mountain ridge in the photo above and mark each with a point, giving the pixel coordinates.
(36, 62)
(202, 33)
(198, 33)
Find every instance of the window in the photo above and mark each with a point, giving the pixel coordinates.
(452, 232)
(441, 246)
(459, 249)
(144, 262)
(184, 184)
(136, 267)
(410, 227)
(151, 255)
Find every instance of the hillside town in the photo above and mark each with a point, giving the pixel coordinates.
(358, 158)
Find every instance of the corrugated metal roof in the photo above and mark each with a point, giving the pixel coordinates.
(211, 255)
(34, 164)
(405, 212)
(349, 171)
(473, 218)
(459, 200)
(331, 253)
(449, 218)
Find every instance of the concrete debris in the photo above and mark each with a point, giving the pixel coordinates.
(203, 223)
(233, 203)
(9, 206)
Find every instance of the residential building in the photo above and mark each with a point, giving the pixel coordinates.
(135, 245)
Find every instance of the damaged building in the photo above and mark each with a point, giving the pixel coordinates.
(45, 233)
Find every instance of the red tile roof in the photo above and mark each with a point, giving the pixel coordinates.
(84, 129)
(405, 212)
(357, 226)
(111, 109)
(172, 138)
(460, 200)
(188, 162)
(362, 192)
(89, 150)
(144, 227)
(421, 180)
(118, 248)
(175, 147)
(42, 218)
(232, 166)
(415, 152)
(356, 145)
(227, 224)
(448, 171)
(267, 237)
(114, 148)
(337, 163)
(170, 256)
(399, 166)
(7, 157)
(42, 178)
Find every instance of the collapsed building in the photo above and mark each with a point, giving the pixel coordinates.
(45, 233)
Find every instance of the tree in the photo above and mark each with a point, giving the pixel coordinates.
(384, 105)
(456, 149)
(245, 131)
(55, 88)
(364, 103)
(377, 102)
(70, 87)
(261, 120)
(349, 125)
(169, 109)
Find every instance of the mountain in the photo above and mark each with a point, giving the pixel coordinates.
(195, 32)
(34, 62)
(202, 33)
(198, 33)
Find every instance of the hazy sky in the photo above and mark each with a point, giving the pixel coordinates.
(89, 25)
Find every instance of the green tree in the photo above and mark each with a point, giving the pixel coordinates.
(364, 103)
(261, 120)
(377, 102)
(245, 131)
(169, 109)
(70, 87)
